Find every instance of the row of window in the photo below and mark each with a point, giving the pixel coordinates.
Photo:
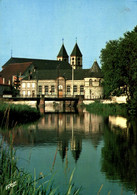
(28, 85)
(75, 88)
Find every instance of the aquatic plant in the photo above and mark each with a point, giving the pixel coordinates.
(11, 114)
(17, 181)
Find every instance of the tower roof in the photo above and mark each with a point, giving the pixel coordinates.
(76, 51)
(95, 67)
(62, 52)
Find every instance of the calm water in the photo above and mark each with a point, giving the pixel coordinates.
(101, 149)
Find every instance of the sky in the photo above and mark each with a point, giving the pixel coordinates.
(35, 28)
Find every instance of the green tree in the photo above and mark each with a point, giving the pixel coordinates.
(119, 66)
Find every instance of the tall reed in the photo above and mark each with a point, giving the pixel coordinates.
(17, 181)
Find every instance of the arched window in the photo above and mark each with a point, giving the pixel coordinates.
(90, 82)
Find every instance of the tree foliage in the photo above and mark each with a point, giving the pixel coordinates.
(119, 66)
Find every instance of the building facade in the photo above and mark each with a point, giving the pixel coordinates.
(59, 78)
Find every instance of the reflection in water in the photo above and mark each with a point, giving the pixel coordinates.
(119, 153)
(84, 134)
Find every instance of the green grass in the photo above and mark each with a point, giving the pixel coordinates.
(107, 109)
(11, 114)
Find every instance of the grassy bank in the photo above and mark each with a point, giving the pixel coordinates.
(107, 109)
(11, 114)
(15, 181)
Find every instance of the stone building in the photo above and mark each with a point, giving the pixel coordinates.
(59, 78)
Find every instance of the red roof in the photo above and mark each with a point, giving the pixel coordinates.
(14, 69)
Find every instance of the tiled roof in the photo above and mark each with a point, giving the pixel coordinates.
(40, 64)
(14, 69)
(76, 51)
(95, 67)
(67, 74)
(62, 52)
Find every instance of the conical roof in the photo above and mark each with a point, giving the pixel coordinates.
(76, 51)
(95, 67)
(62, 52)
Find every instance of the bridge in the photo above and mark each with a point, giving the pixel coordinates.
(72, 101)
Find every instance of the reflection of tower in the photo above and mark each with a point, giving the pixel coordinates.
(76, 145)
(63, 147)
(63, 139)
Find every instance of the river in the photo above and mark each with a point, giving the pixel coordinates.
(101, 150)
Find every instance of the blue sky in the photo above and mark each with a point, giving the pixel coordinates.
(35, 28)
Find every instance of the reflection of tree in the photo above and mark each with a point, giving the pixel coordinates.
(119, 156)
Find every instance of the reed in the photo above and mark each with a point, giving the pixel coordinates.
(11, 114)
(17, 181)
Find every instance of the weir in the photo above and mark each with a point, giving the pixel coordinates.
(40, 101)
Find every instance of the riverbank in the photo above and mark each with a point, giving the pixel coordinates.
(107, 109)
(12, 114)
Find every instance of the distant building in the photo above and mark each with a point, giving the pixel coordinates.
(56, 78)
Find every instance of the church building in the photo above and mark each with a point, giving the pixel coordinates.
(58, 78)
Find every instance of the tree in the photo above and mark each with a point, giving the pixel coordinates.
(119, 66)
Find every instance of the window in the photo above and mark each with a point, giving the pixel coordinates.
(90, 82)
(23, 93)
(40, 89)
(46, 90)
(33, 85)
(28, 93)
(68, 88)
(81, 89)
(52, 88)
(28, 85)
(23, 85)
(78, 62)
(33, 93)
(75, 88)
(60, 87)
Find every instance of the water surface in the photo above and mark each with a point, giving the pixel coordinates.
(102, 150)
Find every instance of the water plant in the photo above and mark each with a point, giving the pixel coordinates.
(12, 114)
(17, 181)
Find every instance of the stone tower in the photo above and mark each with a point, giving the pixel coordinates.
(62, 55)
(76, 58)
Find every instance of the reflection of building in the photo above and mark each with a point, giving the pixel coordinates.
(55, 77)
(76, 147)
(64, 130)
(118, 121)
